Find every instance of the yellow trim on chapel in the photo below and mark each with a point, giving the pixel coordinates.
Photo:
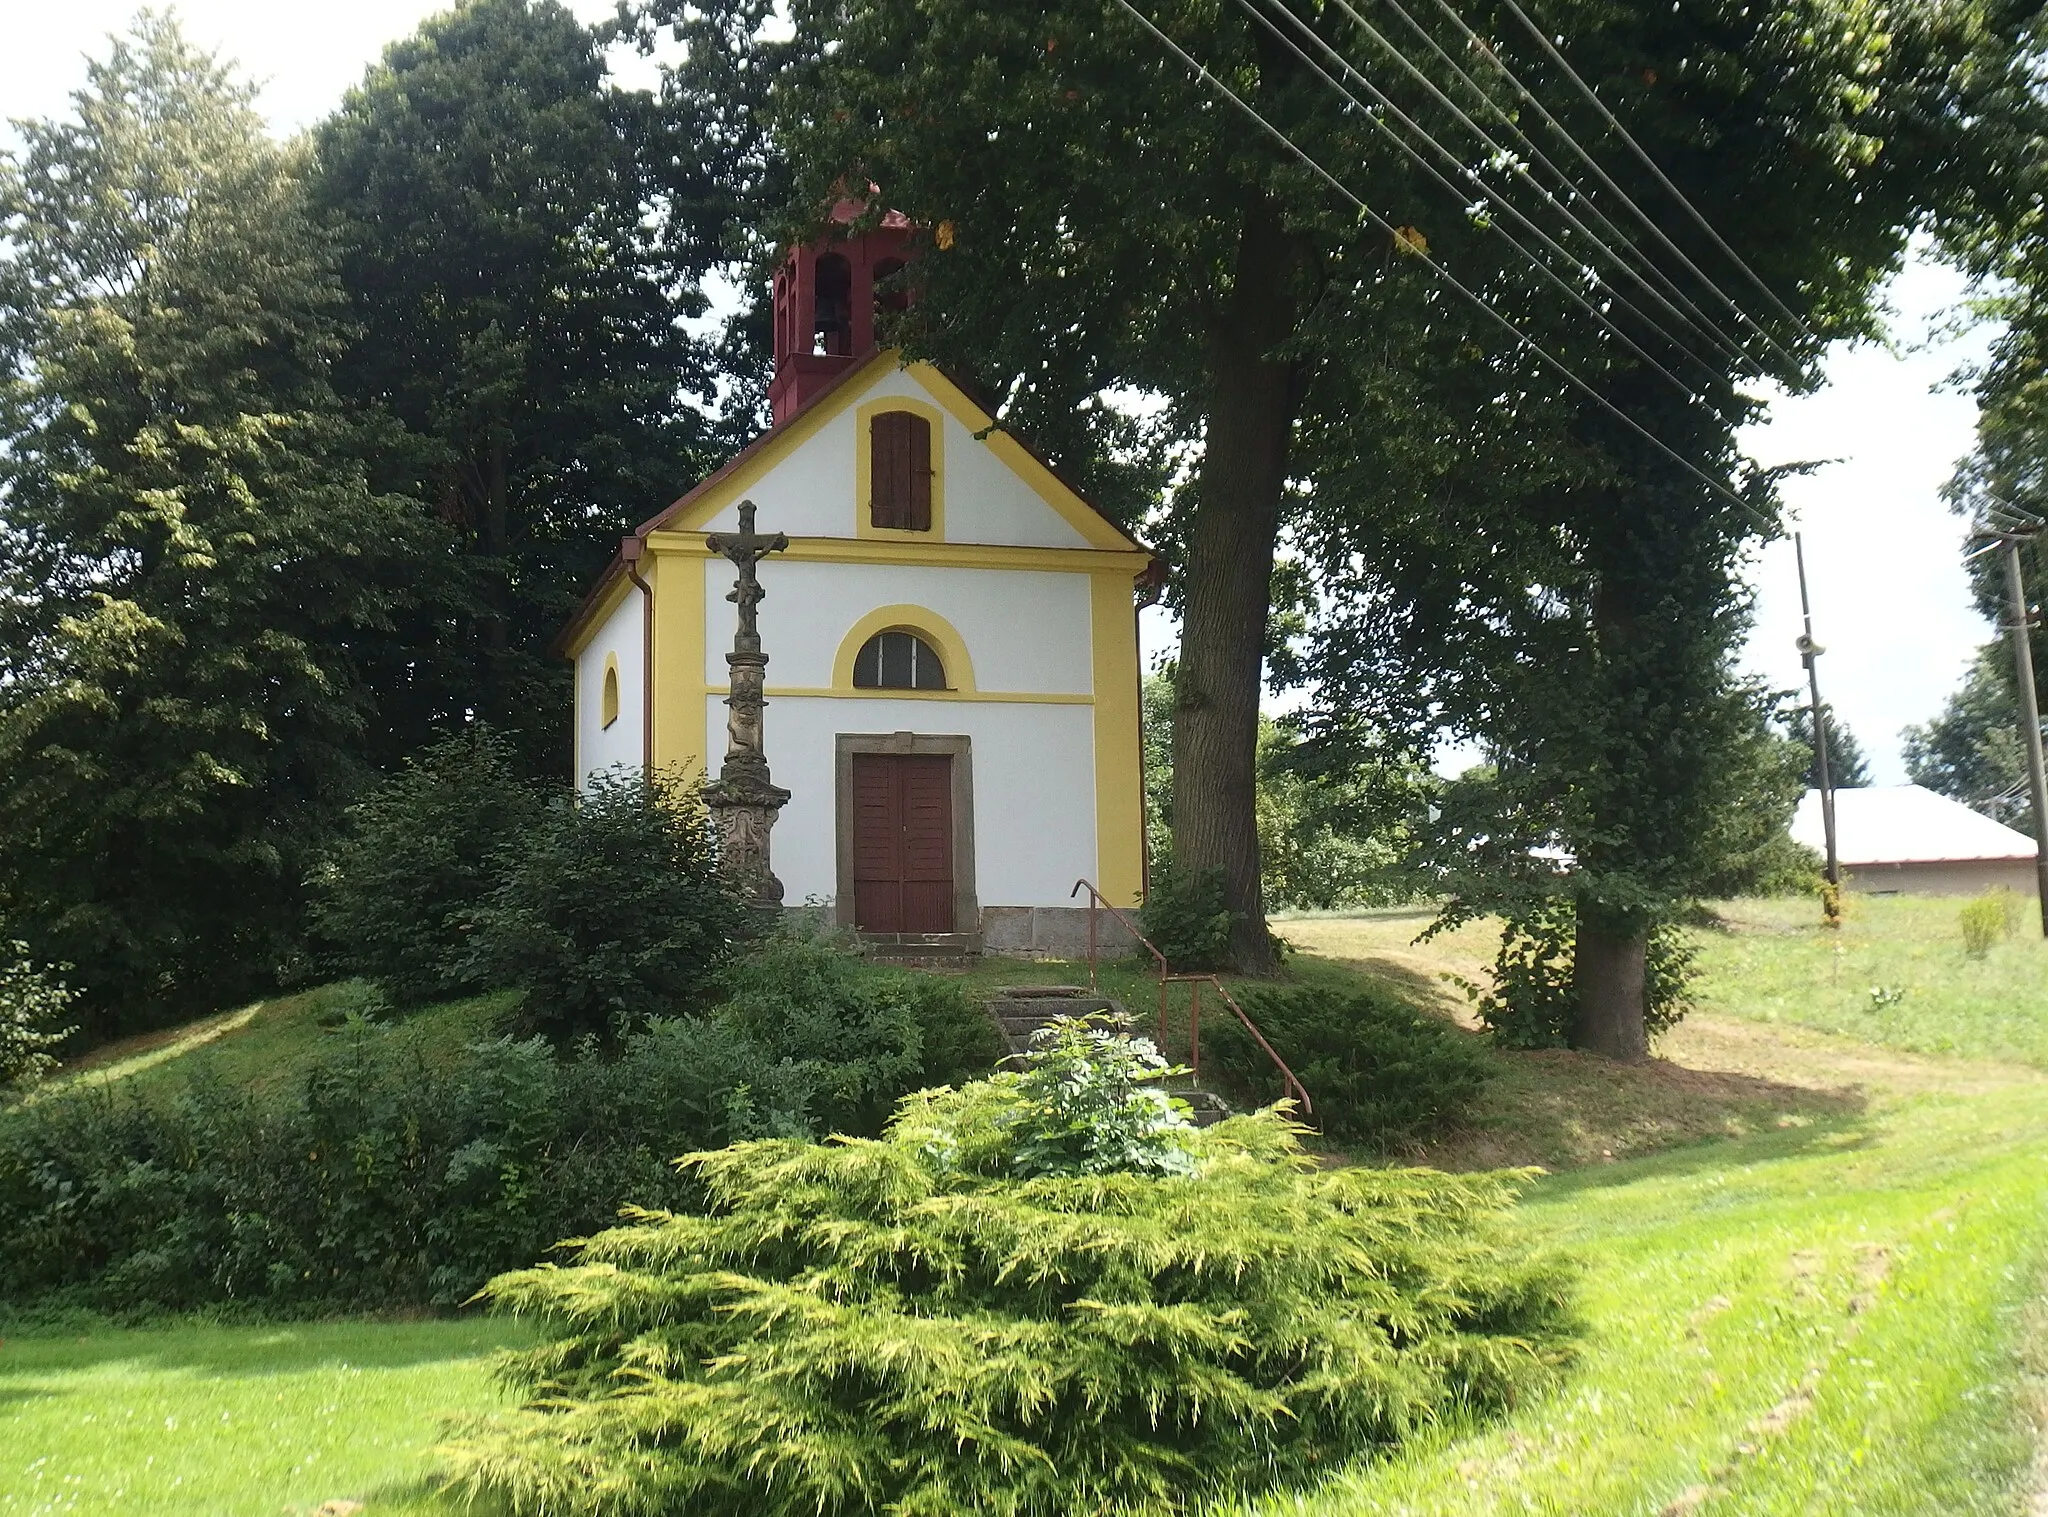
(678, 716)
(778, 446)
(992, 697)
(910, 548)
(1097, 532)
(864, 471)
(929, 625)
(1119, 776)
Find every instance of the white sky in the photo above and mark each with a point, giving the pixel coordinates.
(1890, 600)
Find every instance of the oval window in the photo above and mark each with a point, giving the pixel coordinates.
(898, 661)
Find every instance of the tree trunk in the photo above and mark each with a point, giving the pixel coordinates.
(1227, 580)
(1607, 982)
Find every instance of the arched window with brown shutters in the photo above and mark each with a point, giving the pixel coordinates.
(900, 448)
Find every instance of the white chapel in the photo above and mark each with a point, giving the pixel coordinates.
(952, 639)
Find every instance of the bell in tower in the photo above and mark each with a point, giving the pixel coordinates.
(825, 303)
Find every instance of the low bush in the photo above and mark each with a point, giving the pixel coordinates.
(855, 1035)
(1087, 1104)
(1184, 917)
(1988, 920)
(396, 896)
(611, 910)
(387, 1173)
(1380, 1072)
(906, 1326)
(1532, 1000)
(33, 1002)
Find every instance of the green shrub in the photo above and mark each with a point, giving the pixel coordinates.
(396, 895)
(388, 1172)
(1532, 1001)
(855, 1036)
(32, 1004)
(1184, 917)
(1988, 920)
(611, 910)
(1380, 1072)
(381, 1177)
(901, 1326)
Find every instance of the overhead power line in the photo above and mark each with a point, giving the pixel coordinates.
(1648, 222)
(1421, 76)
(1642, 267)
(1459, 194)
(1614, 124)
(1562, 369)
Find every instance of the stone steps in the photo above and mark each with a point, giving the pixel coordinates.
(922, 950)
(1021, 1010)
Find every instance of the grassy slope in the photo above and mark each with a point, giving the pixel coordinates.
(1820, 1319)
(260, 1045)
(1816, 1314)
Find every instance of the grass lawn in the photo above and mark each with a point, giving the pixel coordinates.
(1775, 962)
(1812, 1234)
(232, 1421)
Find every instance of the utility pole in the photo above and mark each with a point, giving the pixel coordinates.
(2030, 714)
(1809, 653)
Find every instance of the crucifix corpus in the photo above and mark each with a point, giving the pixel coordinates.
(743, 802)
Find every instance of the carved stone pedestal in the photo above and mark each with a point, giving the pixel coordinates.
(744, 802)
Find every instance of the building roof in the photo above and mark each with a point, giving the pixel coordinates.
(1906, 824)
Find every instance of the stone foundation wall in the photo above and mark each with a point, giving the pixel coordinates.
(1050, 932)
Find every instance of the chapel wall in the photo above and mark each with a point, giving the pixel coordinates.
(814, 489)
(1026, 630)
(1033, 780)
(619, 640)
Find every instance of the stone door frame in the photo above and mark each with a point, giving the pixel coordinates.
(966, 907)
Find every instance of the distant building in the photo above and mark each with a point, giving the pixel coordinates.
(1903, 839)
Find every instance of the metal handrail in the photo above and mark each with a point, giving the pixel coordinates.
(1194, 982)
(1096, 902)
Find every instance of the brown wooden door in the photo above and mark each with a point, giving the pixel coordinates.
(902, 842)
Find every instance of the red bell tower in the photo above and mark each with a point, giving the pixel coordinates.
(825, 305)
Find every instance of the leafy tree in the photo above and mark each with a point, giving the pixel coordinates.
(1564, 585)
(1108, 222)
(522, 244)
(33, 1001)
(1974, 750)
(192, 549)
(1847, 767)
(1337, 815)
(611, 910)
(398, 893)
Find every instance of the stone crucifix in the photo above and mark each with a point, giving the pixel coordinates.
(743, 802)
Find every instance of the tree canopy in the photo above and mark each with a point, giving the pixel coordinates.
(1974, 750)
(194, 551)
(1548, 566)
(1848, 769)
(522, 250)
